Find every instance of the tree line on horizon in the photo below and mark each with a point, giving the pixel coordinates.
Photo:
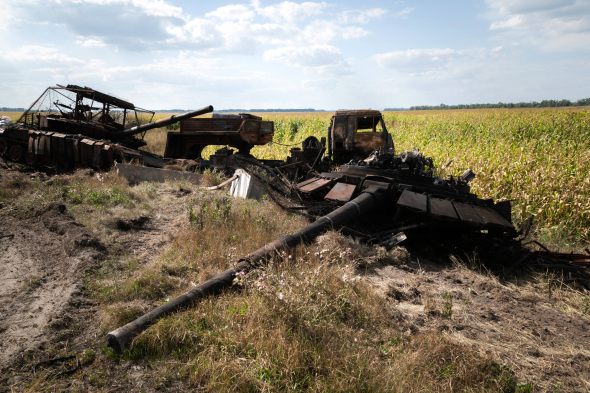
(532, 104)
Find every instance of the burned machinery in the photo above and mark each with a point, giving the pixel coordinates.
(73, 125)
(242, 131)
(371, 182)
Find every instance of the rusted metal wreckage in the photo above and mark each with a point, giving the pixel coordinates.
(71, 126)
(352, 180)
(370, 177)
(242, 132)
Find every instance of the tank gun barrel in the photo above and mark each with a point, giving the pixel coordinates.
(164, 122)
(368, 200)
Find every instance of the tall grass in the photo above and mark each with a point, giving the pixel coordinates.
(14, 116)
(538, 158)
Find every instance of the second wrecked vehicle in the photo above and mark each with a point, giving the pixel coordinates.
(242, 132)
(73, 125)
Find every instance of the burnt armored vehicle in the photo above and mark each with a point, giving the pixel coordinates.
(69, 125)
(393, 192)
(242, 132)
(364, 153)
(354, 134)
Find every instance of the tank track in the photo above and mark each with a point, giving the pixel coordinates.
(53, 150)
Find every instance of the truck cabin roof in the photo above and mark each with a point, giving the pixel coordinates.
(358, 112)
(366, 118)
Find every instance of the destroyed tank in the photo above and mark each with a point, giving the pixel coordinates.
(363, 152)
(72, 125)
(394, 193)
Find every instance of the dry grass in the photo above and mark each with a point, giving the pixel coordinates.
(306, 323)
(14, 116)
(156, 140)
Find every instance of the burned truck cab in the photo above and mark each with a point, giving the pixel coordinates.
(354, 134)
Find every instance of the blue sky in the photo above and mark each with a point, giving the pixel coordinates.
(164, 54)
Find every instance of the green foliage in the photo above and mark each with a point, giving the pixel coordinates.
(533, 104)
(87, 357)
(447, 307)
(79, 193)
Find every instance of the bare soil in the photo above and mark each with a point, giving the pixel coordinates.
(41, 270)
(525, 327)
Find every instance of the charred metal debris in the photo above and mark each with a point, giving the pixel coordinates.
(72, 126)
(352, 180)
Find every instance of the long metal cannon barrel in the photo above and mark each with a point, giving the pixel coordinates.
(120, 338)
(165, 121)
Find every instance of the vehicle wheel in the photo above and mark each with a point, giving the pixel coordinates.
(16, 153)
(3, 146)
(49, 161)
(31, 159)
(62, 165)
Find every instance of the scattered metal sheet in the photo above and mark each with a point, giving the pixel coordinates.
(394, 240)
(576, 259)
(341, 192)
(442, 209)
(414, 201)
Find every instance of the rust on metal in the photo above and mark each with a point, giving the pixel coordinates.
(242, 131)
(315, 185)
(70, 125)
(341, 192)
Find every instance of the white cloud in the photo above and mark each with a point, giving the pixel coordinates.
(149, 7)
(417, 60)
(232, 12)
(361, 16)
(39, 53)
(311, 56)
(318, 58)
(404, 12)
(551, 25)
(196, 34)
(90, 43)
(321, 31)
(156, 25)
(508, 7)
(288, 11)
(512, 22)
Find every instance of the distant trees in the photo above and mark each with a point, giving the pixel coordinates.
(270, 110)
(533, 104)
